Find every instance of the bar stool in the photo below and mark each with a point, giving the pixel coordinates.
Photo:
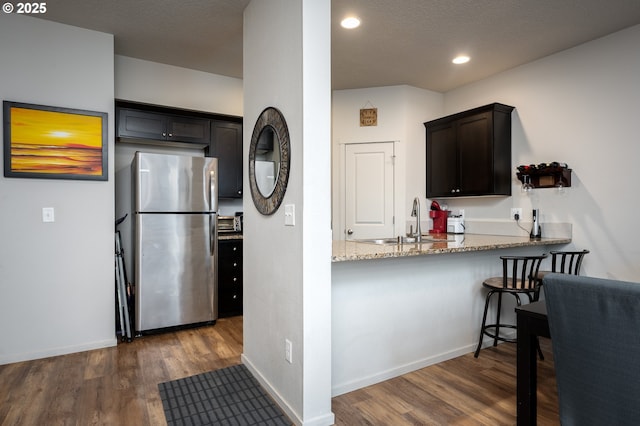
(562, 262)
(518, 277)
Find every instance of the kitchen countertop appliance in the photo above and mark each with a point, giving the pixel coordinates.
(455, 225)
(230, 224)
(175, 203)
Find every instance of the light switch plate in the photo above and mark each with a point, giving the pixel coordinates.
(48, 214)
(290, 214)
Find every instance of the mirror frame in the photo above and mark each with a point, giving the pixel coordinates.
(270, 117)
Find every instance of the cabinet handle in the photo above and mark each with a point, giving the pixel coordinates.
(235, 264)
(170, 135)
(239, 192)
(235, 279)
(164, 135)
(235, 248)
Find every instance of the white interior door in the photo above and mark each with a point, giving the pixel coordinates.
(369, 190)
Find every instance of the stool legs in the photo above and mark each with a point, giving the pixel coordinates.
(484, 321)
(497, 325)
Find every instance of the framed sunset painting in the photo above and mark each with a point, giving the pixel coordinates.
(54, 143)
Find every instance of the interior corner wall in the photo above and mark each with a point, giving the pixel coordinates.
(56, 279)
(579, 107)
(402, 110)
(278, 264)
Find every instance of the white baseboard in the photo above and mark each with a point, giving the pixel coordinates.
(30, 356)
(325, 420)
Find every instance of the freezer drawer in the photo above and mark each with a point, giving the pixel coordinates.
(175, 270)
(174, 183)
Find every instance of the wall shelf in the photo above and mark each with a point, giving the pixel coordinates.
(547, 177)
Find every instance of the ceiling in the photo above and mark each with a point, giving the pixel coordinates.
(399, 42)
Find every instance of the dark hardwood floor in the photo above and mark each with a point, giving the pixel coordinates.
(119, 386)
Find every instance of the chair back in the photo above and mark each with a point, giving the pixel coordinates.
(519, 272)
(567, 262)
(595, 336)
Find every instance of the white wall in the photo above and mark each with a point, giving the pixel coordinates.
(287, 271)
(56, 279)
(580, 107)
(150, 82)
(402, 110)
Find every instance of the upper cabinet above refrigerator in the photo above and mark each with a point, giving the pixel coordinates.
(218, 135)
(163, 127)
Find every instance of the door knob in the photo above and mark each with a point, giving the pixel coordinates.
(349, 231)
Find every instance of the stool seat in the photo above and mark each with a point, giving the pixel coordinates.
(518, 278)
(498, 282)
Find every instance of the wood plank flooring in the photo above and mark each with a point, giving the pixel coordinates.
(461, 391)
(119, 386)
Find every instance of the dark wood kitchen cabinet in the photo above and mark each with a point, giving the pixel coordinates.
(218, 135)
(226, 145)
(469, 153)
(164, 127)
(229, 278)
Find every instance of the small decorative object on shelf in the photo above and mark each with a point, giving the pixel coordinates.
(545, 175)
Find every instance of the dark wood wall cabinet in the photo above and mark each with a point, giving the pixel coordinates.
(229, 278)
(226, 144)
(163, 127)
(469, 153)
(219, 135)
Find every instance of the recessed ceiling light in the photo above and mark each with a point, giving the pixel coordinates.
(350, 22)
(461, 59)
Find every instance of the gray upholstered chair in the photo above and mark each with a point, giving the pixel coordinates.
(595, 335)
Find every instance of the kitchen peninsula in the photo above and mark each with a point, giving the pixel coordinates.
(397, 308)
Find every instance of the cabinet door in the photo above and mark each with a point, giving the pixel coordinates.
(226, 145)
(186, 129)
(138, 124)
(442, 169)
(469, 153)
(475, 154)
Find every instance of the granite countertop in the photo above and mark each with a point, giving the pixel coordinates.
(445, 243)
(229, 236)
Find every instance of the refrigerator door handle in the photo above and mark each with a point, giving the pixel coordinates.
(213, 192)
(212, 233)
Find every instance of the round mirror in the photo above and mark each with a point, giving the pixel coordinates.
(269, 161)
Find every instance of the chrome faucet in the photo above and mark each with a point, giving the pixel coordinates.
(415, 212)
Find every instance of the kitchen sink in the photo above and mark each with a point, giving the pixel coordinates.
(402, 240)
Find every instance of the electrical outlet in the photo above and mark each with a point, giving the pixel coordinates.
(516, 211)
(287, 351)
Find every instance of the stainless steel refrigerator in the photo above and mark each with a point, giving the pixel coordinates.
(175, 202)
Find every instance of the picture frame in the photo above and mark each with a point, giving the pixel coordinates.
(46, 142)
